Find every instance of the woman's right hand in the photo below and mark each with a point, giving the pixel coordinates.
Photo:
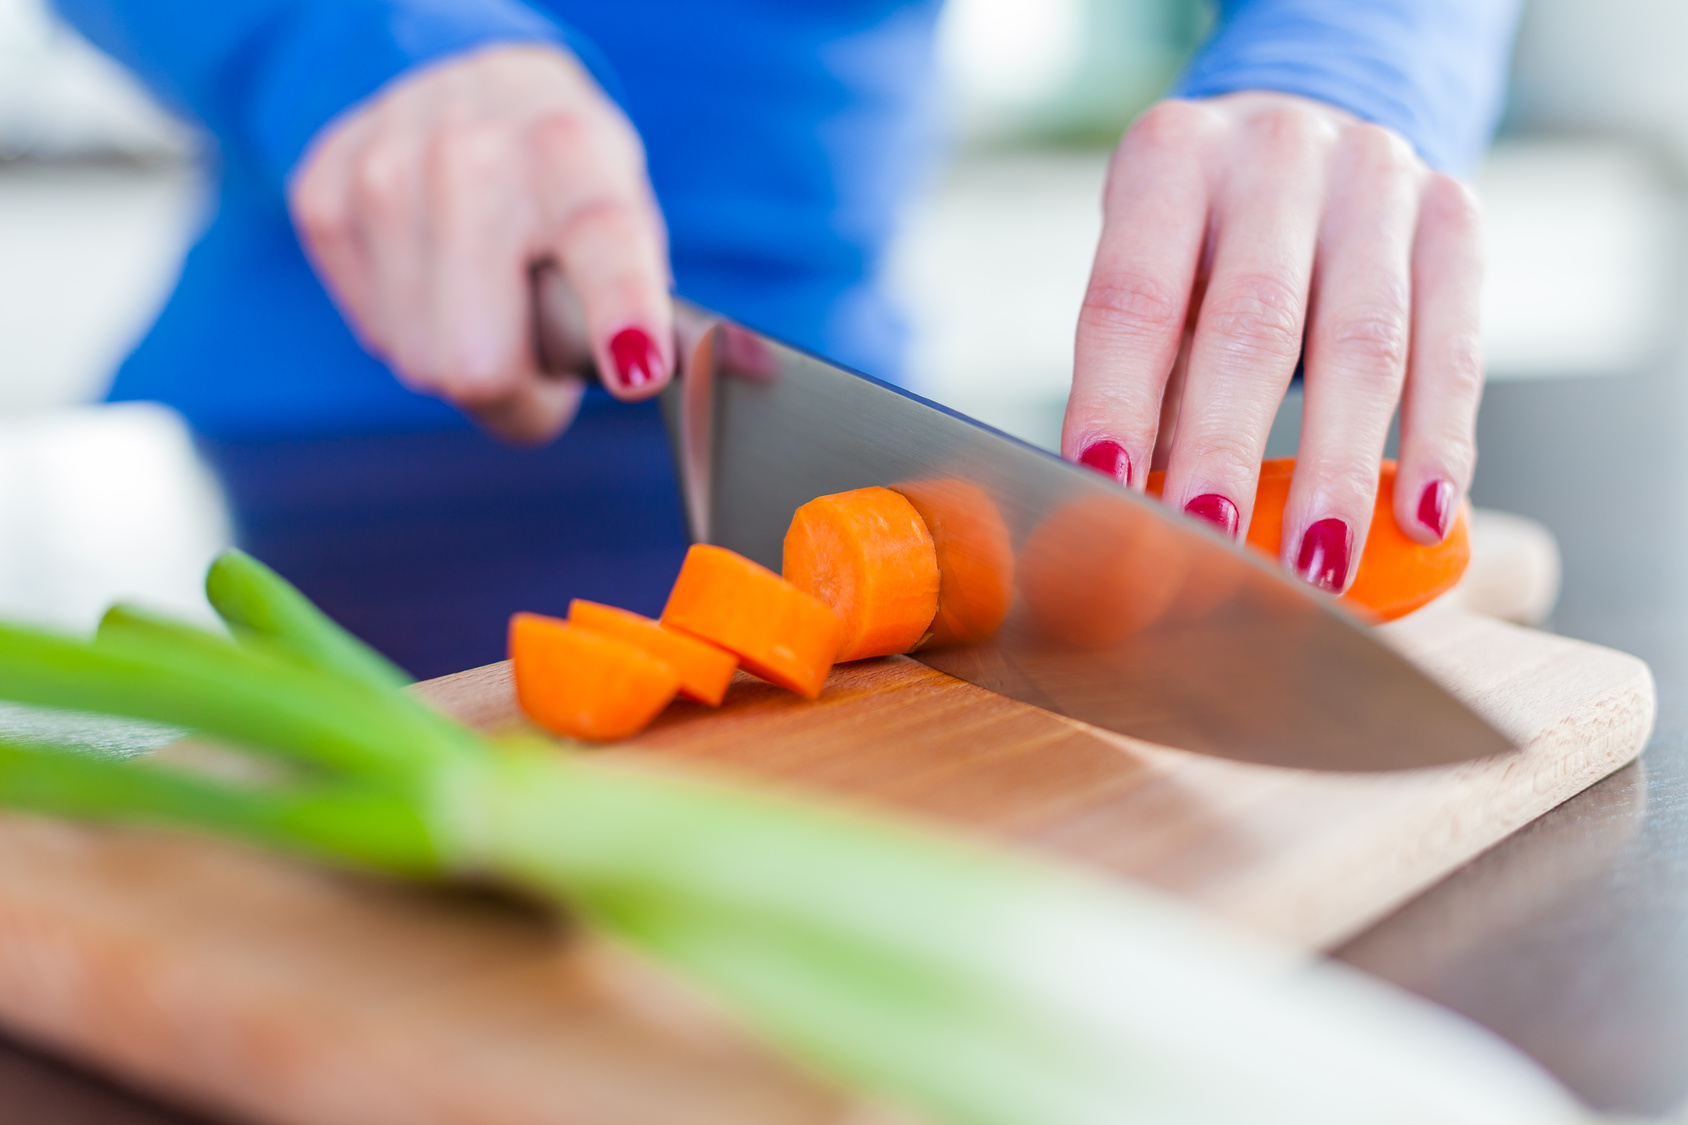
(426, 209)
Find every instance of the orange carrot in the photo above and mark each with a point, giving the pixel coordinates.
(779, 633)
(579, 683)
(975, 558)
(867, 554)
(704, 669)
(1396, 575)
(1100, 569)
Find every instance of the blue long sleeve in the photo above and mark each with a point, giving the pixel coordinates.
(783, 137)
(1433, 70)
(256, 72)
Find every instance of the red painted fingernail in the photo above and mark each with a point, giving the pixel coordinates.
(1108, 458)
(637, 362)
(1435, 504)
(1323, 560)
(1215, 509)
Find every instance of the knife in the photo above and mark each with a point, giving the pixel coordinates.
(1123, 614)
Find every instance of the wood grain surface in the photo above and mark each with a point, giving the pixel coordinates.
(281, 993)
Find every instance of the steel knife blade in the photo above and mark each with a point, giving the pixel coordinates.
(1122, 613)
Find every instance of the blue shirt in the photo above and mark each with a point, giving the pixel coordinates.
(781, 137)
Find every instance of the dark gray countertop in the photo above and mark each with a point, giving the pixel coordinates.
(1571, 937)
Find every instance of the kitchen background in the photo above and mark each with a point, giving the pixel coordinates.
(101, 193)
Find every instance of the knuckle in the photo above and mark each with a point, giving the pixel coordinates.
(1372, 341)
(561, 132)
(1293, 128)
(1131, 305)
(1171, 123)
(602, 219)
(1221, 455)
(1378, 149)
(1462, 366)
(465, 150)
(574, 134)
(1256, 313)
(380, 177)
(1451, 202)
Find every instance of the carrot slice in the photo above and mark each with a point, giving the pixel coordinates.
(975, 558)
(867, 554)
(576, 682)
(776, 630)
(1396, 575)
(704, 669)
(1099, 569)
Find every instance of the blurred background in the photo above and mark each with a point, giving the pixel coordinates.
(101, 193)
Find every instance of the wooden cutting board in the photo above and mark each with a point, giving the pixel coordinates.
(277, 992)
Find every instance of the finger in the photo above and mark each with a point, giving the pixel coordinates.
(481, 224)
(1357, 339)
(1154, 221)
(1249, 327)
(533, 412)
(319, 200)
(390, 207)
(607, 235)
(1445, 373)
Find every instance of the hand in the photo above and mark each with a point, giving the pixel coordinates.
(426, 209)
(1231, 226)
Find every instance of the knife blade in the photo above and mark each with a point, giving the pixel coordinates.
(1123, 613)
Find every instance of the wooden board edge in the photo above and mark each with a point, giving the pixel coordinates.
(1629, 712)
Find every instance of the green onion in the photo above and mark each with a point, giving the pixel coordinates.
(972, 986)
(255, 601)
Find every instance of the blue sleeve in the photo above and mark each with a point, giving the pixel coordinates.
(1432, 70)
(265, 75)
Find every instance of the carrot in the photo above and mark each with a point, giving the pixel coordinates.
(776, 630)
(1396, 575)
(975, 558)
(579, 683)
(704, 669)
(1100, 569)
(868, 555)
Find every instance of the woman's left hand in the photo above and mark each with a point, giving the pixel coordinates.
(1234, 229)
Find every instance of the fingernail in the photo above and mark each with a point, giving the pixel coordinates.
(1215, 509)
(1435, 504)
(637, 362)
(1108, 458)
(1323, 561)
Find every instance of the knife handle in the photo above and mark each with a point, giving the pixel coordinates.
(560, 341)
(563, 348)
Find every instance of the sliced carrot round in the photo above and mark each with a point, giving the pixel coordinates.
(868, 555)
(704, 669)
(579, 683)
(776, 630)
(975, 558)
(1099, 569)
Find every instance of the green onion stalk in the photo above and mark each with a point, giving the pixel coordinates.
(964, 983)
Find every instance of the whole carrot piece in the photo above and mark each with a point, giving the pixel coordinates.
(1396, 575)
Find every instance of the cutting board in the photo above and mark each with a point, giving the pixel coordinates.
(277, 992)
